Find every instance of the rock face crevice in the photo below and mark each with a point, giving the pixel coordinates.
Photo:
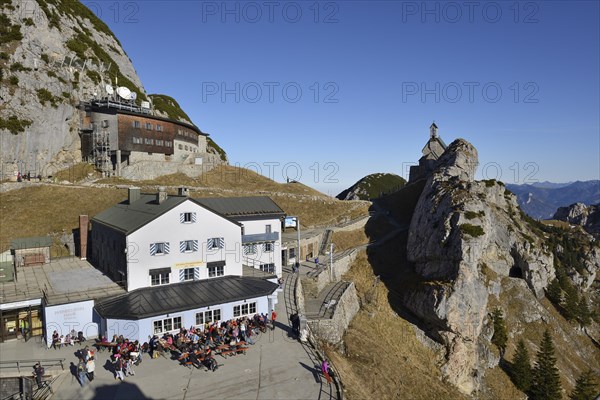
(460, 231)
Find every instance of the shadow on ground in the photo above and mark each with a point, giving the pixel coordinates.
(124, 390)
(389, 260)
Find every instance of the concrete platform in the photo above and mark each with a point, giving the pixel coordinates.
(276, 367)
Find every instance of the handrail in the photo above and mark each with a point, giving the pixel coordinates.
(47, 362)
(337, 380)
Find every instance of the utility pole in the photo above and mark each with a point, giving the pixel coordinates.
(298, 237)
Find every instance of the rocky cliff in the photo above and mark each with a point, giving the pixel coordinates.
(54, 54)
(461, 232)
(579, 214)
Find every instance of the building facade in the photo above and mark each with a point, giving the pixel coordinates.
(115, 134)
(213, 259)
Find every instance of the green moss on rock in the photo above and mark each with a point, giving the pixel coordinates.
(471, 230)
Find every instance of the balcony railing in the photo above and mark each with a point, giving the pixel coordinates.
(260, 237)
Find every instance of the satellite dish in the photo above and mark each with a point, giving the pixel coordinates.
(109, 89)
(133, 96)
(124, 93)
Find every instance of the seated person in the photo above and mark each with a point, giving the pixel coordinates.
(69, 340)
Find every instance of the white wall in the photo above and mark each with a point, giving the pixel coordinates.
(65, 317)
(261, 257)
(167, 228)
(142, 329)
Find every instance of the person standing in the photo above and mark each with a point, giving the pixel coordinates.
(273, 318)
(90, 367)
(81, 370)
(325, 371)
(38, 371)
(119, 366)
(130, 370)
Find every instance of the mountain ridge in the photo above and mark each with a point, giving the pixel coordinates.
(542, 201)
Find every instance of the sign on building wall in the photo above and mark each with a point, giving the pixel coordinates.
(64, 318)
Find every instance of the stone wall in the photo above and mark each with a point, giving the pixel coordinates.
(149, 170)
(332, 330)
(299, 294)
(315, 282)
(353, 225)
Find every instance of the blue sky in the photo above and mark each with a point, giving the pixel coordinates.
(337, 90)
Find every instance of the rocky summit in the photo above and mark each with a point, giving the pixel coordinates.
(461, 230)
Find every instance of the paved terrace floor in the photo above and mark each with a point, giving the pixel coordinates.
(276, 367)
(64, 280)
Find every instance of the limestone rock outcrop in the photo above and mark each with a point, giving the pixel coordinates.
(462, 231)
(579, 214)
(58, 54)
(50, 80)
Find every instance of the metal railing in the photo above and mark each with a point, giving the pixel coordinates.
(46, 363)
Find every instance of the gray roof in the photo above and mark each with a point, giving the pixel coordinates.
(160, 300)
(236, 207)
(128, 218)
(31, 242)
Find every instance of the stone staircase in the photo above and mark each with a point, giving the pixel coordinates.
(324, 248)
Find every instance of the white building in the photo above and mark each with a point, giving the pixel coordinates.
(186, 261)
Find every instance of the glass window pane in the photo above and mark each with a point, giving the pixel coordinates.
(168, 324)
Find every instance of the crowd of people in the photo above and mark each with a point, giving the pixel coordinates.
(195, 346)
(59, 341)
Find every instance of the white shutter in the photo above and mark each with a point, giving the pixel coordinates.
(181, 218)
(152, 249)
(181, 275)
(193, 217)
(221, 243)
(166, 247)
(195, 245)
(196, 274)
(182, 247)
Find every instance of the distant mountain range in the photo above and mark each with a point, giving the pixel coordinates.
(541, 200)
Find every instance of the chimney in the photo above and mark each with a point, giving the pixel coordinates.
(134, 194)
(161, 196)
(183, 191)
(83, 236)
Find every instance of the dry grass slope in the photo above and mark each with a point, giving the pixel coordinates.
(45, 209)
(345, 240)
(51, 209)
(384, 359)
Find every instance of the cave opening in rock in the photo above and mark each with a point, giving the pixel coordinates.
(515, 272)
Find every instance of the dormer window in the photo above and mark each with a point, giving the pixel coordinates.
(187, 217)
